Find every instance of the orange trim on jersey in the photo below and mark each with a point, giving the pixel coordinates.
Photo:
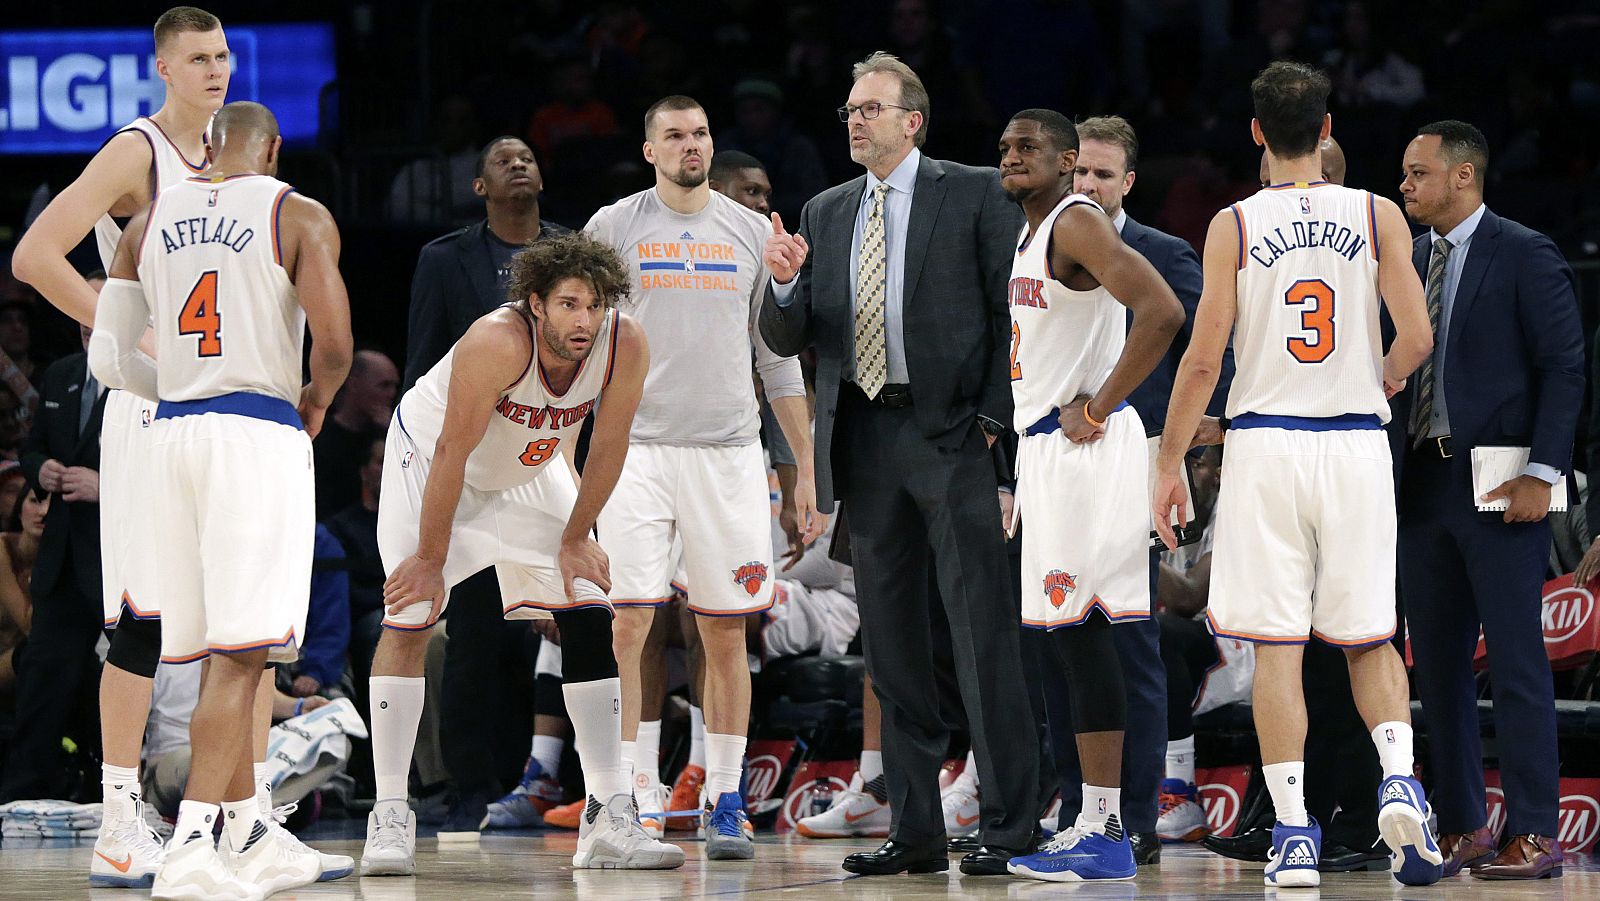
(1291, 185)
(680, 588)
(1372, 223)
(288, 637)
(1096, 604)
(191, 166)
(1238, 218)
(407, 627)
(1358, 643)
(702, 611)
(127, 601)
(640, 602)
(187, 658)
(1249, 636)
(214, 180)
(611, 363)
(277, 213)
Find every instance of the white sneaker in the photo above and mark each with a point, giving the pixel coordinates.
(610, 838)
(195, 872)
(652, 803)
(1181, 818)
(128, 853)
(268, 862)
(854, 813)
(330, 866)
(960, 803)
(391, 848)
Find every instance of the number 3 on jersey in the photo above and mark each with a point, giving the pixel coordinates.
(1315, 298)
(199, 315)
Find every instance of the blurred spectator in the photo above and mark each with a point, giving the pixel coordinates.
(363, 406)
(12, 481)
(14, 419)
(320, 668)
(356, 529)
(19, 548)
(1366, 71)
(921, 40)
(17, 369)
(742, 177)
(437, 189)
(762, 130)
(573, 111)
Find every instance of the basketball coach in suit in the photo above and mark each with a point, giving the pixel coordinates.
(898, 280)
(1507, 369)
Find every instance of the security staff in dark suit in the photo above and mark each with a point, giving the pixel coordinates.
(62, 456)
(1507, 369)
(904, 301)
(459, 278)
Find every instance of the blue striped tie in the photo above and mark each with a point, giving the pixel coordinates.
(1422, 412)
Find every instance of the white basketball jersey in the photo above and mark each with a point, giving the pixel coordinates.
(531, 422)
(1063, 342)
(169, 168)
(226, 316)
(1306, 337)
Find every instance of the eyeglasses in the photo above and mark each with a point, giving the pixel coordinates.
(871, 110)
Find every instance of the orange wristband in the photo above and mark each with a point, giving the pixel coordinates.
(1091, 419)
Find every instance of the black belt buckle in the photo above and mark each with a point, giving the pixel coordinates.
(1442, 443)
(894, 396)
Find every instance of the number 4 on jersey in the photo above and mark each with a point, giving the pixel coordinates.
(199, 315)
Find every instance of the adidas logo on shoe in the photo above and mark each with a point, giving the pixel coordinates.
(1300, 855)
(1396, 790)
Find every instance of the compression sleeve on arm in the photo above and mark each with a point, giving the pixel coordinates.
(120, 318)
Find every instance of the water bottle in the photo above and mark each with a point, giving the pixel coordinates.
(821, 796)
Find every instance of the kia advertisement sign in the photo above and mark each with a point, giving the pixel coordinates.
(815, 783)
(67, 90)
(764, 763)
(1571, 629)
(1578, 819)
(1222, 795)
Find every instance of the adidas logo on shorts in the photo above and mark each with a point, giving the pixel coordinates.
(1300, 855)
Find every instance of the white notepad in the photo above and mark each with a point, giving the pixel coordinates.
(1494, 466)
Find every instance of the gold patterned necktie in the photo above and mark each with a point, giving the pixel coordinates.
(1422, 416)
(872, 283)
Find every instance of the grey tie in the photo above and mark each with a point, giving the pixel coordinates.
(1422, 412)
(86, 402)
(872, 282)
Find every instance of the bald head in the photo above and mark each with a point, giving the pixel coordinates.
(242, 121)
(1332, 163)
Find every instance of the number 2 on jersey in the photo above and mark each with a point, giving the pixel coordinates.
(1315, 297)
(539, 451)
(199, 315)
(1016, 345)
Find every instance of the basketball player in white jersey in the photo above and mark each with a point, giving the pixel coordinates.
(1305, 522)
(696, 469)
(478, 473)
(229, 269)
(1081, 467)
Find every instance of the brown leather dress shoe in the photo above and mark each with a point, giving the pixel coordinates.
(1463, 849)
(1526, 857)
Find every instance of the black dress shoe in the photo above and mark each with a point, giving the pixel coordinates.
(1250, 845)
(1337, 857)
(900, 857)
(964, 844)
(991, 860)
(1146, 848)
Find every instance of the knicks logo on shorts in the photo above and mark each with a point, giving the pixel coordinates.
(751, 575)
(1057, 585)
(405, 461)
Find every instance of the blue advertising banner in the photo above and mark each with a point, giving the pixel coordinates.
(67, 90)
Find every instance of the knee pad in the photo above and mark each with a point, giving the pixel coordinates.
(587, 634)
(1088, 654)
(136, 645)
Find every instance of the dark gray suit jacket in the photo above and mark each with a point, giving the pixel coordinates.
(959, 246)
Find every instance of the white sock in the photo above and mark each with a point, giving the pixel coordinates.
(626, 753)
(724, 763)
(1287, 783)
(1102, 807)
(871, 765)
(396, 711)
(1180, 760)
(240, 818)
(119, 787)
(547, 750)
(196, 820)
(1394, 748)
(595, 708)
(647, 755)
(697, 737)
(263, 788)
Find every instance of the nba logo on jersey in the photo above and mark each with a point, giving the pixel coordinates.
(212, 200)
(1057, 585)
(405, 462)
(688, 264)
(146, 416)
(751, 575)
(1305, 205)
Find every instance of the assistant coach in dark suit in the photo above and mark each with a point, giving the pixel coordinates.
(898, 280)
(461, 277)
(1507, 369)
(62, 455)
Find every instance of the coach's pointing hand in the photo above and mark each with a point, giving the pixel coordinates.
(785, 252)
(415, 580)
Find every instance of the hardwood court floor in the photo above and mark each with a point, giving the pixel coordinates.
(539, 865)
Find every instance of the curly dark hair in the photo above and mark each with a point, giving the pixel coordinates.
(543, 264)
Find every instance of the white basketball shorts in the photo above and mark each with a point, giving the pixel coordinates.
(1305, 536)
(235, 518)
(1086, 545)
(716, 500)
(128, 557)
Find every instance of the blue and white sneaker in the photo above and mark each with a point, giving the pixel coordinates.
(725, 829)
(1082, 853)
(1414, 856)
(1292, 862)
(524, 806)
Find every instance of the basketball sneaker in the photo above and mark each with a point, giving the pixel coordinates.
(651, 800)
(194, 871)
(1414, 856)
(331, 866)
(127, 852)
(728, 829)
(524, 806)
(1292, 860)
(855, 812)
(1181, 818)
(686, 795)
(567, 816)
(610, 838)
(1082, 853)
(391, 848)
(960, 802)
(268, 862)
